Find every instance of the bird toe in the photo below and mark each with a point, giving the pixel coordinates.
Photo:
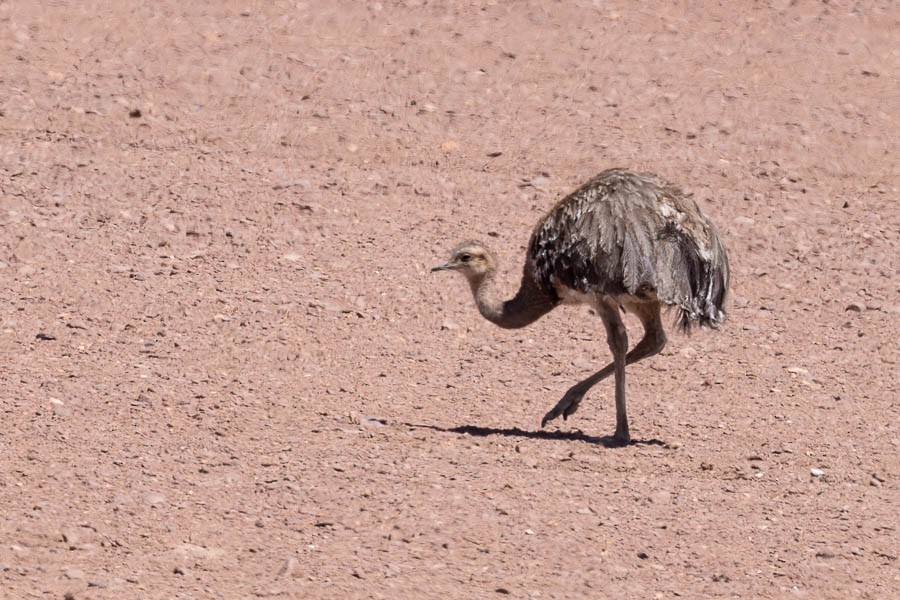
(550, 416)
(565, 407)
(621, 438)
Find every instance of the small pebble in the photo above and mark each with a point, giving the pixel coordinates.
(661, 497)
(154, 499)
(817, 472)
(583, 364)
(70, 536)
(289, 567)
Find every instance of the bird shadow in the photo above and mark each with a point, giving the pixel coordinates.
(607, 441)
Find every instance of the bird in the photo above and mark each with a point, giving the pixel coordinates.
(623, 242)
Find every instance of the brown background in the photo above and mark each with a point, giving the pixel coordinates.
(226, 371)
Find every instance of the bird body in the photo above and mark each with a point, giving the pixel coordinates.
(622, 242)
(632, 234)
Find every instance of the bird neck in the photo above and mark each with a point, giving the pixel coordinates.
(527, 306)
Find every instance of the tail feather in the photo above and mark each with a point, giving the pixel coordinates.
(707, 277)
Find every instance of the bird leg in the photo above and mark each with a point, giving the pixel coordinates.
(653, 341)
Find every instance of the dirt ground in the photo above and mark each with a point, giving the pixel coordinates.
(226, 371)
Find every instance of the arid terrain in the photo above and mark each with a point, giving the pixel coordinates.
(227, 372)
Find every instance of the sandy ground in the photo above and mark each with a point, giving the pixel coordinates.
(226, 372)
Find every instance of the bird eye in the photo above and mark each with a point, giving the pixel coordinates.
(465, 257)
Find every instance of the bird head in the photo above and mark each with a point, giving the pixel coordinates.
(471, 259)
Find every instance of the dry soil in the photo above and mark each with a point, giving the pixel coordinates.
(226, 371)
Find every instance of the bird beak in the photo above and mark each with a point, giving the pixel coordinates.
(443, 267)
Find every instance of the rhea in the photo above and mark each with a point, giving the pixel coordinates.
(624, 242)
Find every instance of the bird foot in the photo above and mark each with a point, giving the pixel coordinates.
(565, 407)
(621, 438)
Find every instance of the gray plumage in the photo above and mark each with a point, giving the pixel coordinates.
(633, 233)
(623, 241)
